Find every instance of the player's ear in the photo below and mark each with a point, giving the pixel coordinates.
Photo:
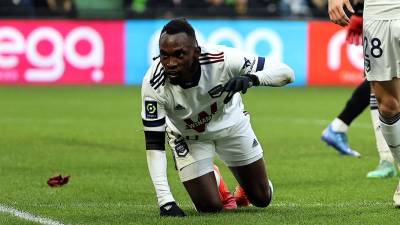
(197, 51)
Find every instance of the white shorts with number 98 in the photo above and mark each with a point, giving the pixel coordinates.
(381, 49)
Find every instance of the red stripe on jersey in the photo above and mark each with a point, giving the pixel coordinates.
(211, 57)
(212, 61)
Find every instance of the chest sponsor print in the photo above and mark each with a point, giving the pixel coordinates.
(202, 119)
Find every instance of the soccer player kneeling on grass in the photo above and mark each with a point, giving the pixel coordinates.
(188, 93)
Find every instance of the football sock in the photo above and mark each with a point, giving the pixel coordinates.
(217, 176)
(383, 148)
(225, 195)
(339, 126)
(391, 132)
(357, 103)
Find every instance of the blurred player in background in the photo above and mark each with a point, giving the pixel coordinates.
(335, 134)
(188, 93)
(381, 31)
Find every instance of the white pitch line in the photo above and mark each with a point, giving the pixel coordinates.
(28, 216)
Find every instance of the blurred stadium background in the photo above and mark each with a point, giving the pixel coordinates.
(70, 72)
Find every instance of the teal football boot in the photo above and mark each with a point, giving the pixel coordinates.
(384, 169)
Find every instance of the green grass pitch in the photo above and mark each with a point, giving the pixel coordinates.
(95, 135)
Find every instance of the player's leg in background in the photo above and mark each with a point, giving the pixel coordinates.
(388, 97)
(381, 57)
(335, 134)
(386, 166)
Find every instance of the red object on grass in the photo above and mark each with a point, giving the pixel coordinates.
(57, 181)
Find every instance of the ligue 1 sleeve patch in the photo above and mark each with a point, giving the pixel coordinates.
(151, 109)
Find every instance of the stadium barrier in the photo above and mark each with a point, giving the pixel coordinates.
(71, 52)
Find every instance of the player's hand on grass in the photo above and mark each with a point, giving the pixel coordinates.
(239, 83)
(354, 30)
(171, 209)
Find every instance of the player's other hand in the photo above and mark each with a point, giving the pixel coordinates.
(236, 84)
(354, 30)
(171, 209)
(337, 13)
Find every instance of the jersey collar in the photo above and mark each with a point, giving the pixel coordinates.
(195, 80)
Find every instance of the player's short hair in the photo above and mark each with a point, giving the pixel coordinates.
(179, 25)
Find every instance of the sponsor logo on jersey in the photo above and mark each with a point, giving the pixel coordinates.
(255, 143)
(247, 63)
(151, 109)
(216, 91)
(168, 207)
(202, 120)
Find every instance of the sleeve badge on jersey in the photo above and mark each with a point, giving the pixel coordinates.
(151, 109)
(181, 148)
(216, 91)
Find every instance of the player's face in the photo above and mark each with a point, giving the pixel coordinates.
(179, 56)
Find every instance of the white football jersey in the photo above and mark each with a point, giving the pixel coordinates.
(198, 109)
(381, 9)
